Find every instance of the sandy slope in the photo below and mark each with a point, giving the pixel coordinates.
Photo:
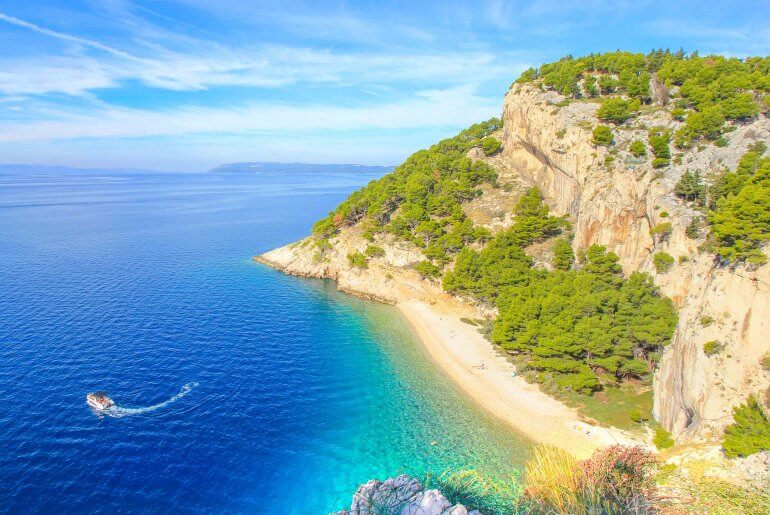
(460, 351)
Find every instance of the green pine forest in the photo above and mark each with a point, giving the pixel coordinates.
(582, 325)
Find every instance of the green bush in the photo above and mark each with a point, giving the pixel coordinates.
(693, 229)
(638, 148)
(617, 110)
(749, 433)
(713, 347)
(740, 221)
(662, 439)
(661, 231)
(607, 84)
(765, 362)
(427, 269)
(660, 162)
(589, 85)
(357, 259)
(706, 321)
(490, 145)
(374, 251)
(659, 138)
(562, 255)
(699, 125)
(690, 187)
(602, 136)
(678, 114)
(663, 262)
(638, 416)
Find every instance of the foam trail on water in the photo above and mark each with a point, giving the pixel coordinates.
(120, 412)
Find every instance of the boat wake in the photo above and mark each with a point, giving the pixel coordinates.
(120, 412)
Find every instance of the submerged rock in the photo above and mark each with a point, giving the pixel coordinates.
(401, 495)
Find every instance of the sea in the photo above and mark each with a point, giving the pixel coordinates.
(238, 389)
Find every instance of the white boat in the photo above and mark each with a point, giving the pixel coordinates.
(99, 401)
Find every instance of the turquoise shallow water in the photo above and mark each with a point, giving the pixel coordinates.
(139, 284)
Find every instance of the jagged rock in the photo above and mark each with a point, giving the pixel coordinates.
(401, 495)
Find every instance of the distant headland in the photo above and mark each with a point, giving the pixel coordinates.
(259, 167)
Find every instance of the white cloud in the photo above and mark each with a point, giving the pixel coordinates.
(207, 65)
(432, 108)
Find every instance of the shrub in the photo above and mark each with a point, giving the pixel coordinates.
(660, 162)
(678, 114)
(589, 86)
(661, 231)
(693, 229)
(663, 262)
(615, 479)
(602, 136)
(607, 84)
(663, 214)
(562, 255)
(618, 479)
(427, 269)
(638, 148)
(703, 124)
(749, 433)
(765, 362)
(617, 110)
(637, 416)
(662, 439)
(739, 107)
(659, 138)
(706, 321)
(374, 251)
(712, 347)
(690, 187)
(490, 145)
(357, 259)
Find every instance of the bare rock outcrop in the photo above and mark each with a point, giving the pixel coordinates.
(401, 495)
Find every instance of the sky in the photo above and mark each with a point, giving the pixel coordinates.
(185, 85)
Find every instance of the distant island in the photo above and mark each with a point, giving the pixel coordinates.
(259, 167)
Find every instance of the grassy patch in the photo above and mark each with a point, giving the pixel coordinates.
(614, 405)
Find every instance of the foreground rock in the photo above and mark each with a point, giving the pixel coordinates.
(401, 495)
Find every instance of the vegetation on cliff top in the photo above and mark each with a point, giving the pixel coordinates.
(706, 91)
(421, 200)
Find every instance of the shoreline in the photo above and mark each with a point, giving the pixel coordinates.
(460, 350)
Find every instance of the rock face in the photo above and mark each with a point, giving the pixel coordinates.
(612, 202)
(401, 495)
(615, 205)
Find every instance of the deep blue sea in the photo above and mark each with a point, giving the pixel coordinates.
(140, 284)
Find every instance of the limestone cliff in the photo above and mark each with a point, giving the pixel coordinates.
(616, 205)
(612, 199)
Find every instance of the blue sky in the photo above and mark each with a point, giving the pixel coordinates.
(188, 84)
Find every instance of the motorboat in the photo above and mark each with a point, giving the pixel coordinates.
(99, 401)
